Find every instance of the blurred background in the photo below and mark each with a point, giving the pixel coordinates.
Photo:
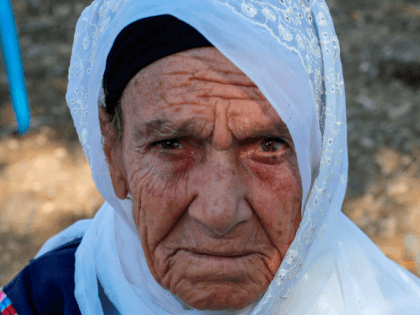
(45, 181)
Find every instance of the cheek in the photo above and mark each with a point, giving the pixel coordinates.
(159, 199)
(276, 197)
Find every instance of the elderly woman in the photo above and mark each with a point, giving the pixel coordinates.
(216, 132)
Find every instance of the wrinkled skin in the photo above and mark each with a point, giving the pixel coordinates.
(213, 175)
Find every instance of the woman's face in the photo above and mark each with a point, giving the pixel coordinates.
(213, 174)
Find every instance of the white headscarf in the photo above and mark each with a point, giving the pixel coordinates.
(291, 52)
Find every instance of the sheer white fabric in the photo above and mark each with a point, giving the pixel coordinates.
(290, 50)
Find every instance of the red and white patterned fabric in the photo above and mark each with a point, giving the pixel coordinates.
(6, 307)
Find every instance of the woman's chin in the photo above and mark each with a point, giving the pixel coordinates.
(217, 283)
(218, 296)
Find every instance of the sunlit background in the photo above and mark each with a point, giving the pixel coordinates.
(46, 185)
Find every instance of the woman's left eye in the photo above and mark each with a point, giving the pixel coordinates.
(170, 144)
(272, 144)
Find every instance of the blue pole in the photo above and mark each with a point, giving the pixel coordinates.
(14, 68)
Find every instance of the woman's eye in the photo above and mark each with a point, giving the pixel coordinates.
(272, 145)
(171, 144)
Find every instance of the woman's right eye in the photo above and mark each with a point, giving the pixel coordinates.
(171, 144)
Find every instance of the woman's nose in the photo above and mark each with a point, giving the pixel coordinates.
(220, 204)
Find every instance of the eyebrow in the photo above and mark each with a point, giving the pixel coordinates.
(276, 129)
(281, 128)
(157, 128)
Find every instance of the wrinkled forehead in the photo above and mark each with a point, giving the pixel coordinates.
(190, 89)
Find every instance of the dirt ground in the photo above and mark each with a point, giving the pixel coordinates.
(46, 184)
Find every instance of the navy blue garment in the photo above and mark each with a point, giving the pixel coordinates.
(46, 285)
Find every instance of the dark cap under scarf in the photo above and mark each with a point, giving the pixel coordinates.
(140, 44)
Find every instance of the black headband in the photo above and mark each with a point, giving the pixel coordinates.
(140, 44)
